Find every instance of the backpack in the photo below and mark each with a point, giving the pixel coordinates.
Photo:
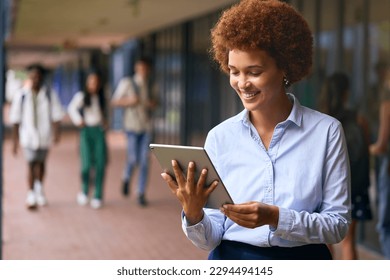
(358, 153)
(137, 90)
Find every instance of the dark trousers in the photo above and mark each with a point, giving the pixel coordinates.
(232, 250)
(93, 152)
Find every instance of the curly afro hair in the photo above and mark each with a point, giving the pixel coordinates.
(269, 25)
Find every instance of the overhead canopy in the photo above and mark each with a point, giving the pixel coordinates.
(43, 26)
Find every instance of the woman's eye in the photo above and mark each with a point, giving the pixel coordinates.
(234, 73)
(255, 74)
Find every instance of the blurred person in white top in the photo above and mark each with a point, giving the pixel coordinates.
(36, 114)
(87, 111)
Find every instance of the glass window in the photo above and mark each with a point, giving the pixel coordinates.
(168, 71)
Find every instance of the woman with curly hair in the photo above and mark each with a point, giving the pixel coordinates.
(285, 165)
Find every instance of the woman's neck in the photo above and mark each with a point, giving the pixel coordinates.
(266, 120)
(272, 115)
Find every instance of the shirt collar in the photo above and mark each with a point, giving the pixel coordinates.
(296, 112)
(294, 117)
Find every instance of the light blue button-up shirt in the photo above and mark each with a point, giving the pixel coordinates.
(305, 172)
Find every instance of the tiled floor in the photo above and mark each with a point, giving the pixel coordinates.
(121, 230)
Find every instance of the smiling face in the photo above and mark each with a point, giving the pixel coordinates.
(256, 78)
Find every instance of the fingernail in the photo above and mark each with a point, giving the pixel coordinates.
(173, 162)
(204, 171)
(191, 164)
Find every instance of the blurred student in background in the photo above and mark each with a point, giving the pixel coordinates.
(36, 114)
(380, 149)
(137, 95)
(88, 111)
(333, 101)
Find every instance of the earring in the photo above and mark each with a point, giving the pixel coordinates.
(286, 82)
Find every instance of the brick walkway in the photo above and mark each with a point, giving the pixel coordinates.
(121, 230)
(64, 230)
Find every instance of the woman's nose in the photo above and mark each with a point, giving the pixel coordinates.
(243, 83)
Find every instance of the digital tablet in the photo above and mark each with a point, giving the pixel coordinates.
(183, 155)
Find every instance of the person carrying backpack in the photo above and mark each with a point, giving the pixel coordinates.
(87, 110)
(333, 102)
(137, 96)
(36, 114)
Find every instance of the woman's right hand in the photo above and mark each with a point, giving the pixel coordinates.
(192, 195)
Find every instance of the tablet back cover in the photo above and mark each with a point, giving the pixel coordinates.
(183, 155)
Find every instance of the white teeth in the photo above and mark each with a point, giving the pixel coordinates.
(249, 95)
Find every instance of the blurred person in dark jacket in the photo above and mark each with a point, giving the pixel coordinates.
(333, 101)
(380, 149)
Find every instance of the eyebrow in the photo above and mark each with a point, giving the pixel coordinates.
(249, 67)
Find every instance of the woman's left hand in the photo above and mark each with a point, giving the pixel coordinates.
(252, 214)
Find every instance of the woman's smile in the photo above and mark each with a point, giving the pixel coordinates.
(249, 94)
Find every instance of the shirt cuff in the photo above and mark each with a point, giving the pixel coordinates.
(285, 223)
(197, 233)
(187, 224)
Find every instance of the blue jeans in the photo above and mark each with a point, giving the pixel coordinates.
(383, 198)
(137, 155)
